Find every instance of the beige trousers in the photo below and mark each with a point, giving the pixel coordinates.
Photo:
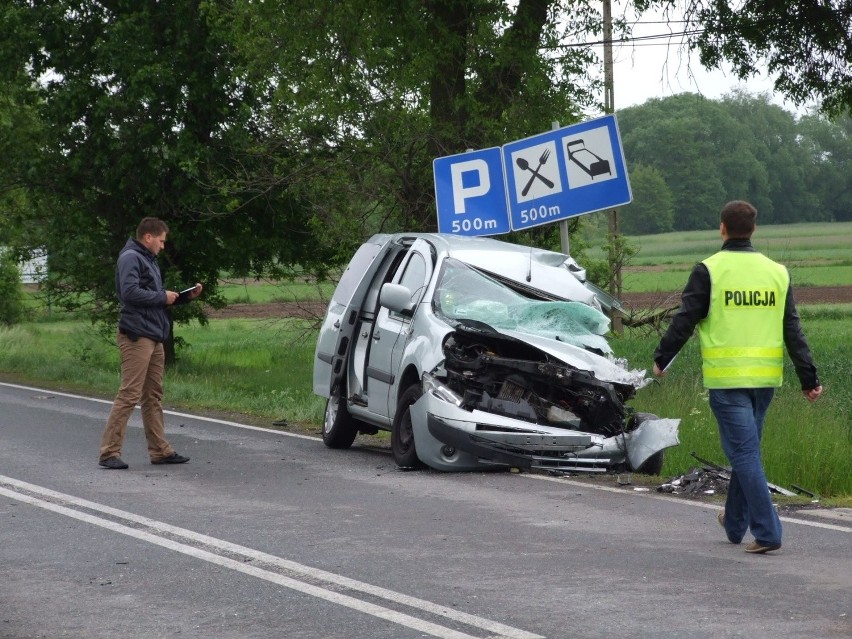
(142, 369)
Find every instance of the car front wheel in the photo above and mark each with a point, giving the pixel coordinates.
(339, 428)
(402, 434)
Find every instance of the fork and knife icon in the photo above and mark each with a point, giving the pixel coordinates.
(525, 166)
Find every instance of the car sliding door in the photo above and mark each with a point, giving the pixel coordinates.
(391, 331)
(341, 320)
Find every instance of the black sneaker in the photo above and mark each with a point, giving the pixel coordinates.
(113, 463)
(174, 458)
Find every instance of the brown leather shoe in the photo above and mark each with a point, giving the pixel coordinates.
(758, 548)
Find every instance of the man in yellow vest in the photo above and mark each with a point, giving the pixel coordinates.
(742, 303)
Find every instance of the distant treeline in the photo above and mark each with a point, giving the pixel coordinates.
(687, 155)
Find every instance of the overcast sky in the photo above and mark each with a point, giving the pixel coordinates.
(657, 66)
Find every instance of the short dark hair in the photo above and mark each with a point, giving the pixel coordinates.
(153, 225)
(739, 217)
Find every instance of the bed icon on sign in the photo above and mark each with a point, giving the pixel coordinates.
(589, 158)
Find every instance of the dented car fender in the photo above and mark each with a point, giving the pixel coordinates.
(649, 438)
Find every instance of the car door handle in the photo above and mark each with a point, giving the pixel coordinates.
(336, 324)
(377, 336)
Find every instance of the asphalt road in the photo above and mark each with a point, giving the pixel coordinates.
(265, 534)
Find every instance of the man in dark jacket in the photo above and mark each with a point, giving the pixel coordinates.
(143, 326)
(742, 303)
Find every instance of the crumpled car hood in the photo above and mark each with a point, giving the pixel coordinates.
(609, 370)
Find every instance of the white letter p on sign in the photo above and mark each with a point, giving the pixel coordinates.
(460, 193)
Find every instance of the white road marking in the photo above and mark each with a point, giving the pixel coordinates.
(47, 499)
(167, 412)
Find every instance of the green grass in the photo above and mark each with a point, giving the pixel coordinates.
(674, 277)
(815, 254)
(260, 368)
(263, 292)
(783, 242)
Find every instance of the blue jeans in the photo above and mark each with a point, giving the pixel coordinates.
(740, 413)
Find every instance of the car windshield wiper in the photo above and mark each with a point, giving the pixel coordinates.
(474, 325)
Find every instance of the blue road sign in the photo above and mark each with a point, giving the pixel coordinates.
(565, 172)
(470, 193)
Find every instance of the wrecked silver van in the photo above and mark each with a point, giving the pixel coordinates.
(476, 353)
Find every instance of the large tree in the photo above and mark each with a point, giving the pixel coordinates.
(828, 145)
(742, 147)
(146, 114)
(787, 170)
(374, 91)
(701, 151)
(652, 208)
(278, 122)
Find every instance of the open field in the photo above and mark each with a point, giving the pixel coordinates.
(815, 254)
(802, 295)
(818, 256)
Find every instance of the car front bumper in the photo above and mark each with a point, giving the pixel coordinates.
(451, 438)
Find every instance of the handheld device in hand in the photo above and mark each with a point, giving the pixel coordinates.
(184, 294)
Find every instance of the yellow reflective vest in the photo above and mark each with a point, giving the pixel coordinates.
(742, 337)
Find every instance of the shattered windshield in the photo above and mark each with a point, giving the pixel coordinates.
(463, 293)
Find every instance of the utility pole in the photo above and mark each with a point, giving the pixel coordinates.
(609, 107)
(564, 236)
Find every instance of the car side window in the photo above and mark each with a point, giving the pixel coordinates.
(414, 277)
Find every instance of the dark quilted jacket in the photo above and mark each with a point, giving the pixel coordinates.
(140, 290)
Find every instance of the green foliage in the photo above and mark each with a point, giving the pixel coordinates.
(829, 146)
(805, 45)
(11, 298)
(412, 81)
(222, 119)
(146, 114)
(652, 210)
(276, 133)
(740, 148)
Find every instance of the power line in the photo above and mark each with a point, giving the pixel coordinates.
(642, 40)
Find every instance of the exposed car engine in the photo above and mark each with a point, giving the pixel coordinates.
(501, 375)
